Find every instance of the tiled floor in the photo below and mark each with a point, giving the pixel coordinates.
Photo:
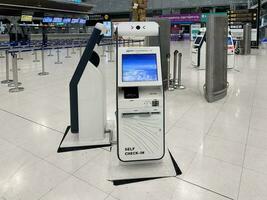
(220, 147)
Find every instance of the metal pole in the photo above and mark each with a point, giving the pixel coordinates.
(103, 51)
(73, 50)
(7, 81)
(50, 52)
(19, 54)
(170, 88)
(175, 68)
(33, 49)
(110, 54)
(68, 53)
(35, 56)
(15, 75)
(1, 54)
(58, 58)
(43, 73)
(180, 86)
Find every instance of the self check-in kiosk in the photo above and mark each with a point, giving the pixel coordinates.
(140, 105)
(199, 52)
(230, 52)
(141, 151)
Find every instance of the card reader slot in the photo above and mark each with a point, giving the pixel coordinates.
(139, 114)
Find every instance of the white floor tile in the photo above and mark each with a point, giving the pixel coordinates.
(186, 191)
(256, 159)
(257, 138)
(96, 171)
(72, 161)
(32, 182)
(229, 132)
(182, 156)
(75, 189)
(224, 150)
(156, 189)
(215, 175)
(184, 138)
(253, 186)
(12, 159)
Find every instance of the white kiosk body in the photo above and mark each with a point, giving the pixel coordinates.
(140, 98)
(198, 52)
(231, 53)
(140, 105)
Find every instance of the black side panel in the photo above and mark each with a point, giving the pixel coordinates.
(88, 55)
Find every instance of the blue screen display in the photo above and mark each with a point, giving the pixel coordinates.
(47, 19)
(75, 21)
(66, 20)
(57, 20)
(139, 67)
(82, 21)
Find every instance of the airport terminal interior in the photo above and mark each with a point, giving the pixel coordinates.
(133, 99)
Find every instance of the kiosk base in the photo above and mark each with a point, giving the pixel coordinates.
(71, 142)
(126, 173)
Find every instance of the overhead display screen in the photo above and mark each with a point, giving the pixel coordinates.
(82, 21)
(75, 21)
(26, 18)
(47, 19)
(57, 20)
(139, 67)
(66, 20)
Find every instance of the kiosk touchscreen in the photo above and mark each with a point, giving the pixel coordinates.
(139, 67)
(140, 105)
(198, 40)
